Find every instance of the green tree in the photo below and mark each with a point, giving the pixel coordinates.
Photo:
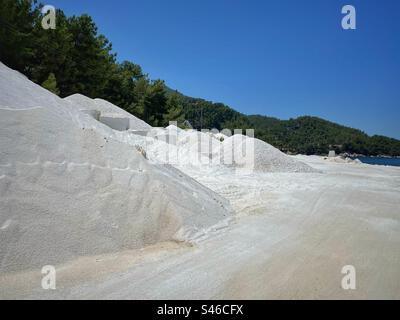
(155, 103)
(174, 110)
(120, 88)
(150, 101)
(17, 19)
(137, 106)
(52, 53)
(90, 61)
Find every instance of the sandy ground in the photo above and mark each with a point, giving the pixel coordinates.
(291, 237)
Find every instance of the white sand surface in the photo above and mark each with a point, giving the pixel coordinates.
(293, 234)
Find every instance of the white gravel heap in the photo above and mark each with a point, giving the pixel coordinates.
(265, 158)
(179, 147)
(191, 148)
(70, 186)
(81, 102)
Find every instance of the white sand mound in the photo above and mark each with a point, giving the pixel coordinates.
(198, 143)
(341, 159)
(172, 128)
(265, 157)
(81, 102)
(70, 187)
(179, 147)
(191, 148)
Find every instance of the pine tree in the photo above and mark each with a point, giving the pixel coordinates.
(174, 110)
(150, 101)
(17, 41)
(137, 106)
(155, 103)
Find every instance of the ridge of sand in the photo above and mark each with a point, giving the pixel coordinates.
(81, 102)
(70, 186)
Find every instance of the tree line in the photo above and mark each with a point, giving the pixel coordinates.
(305, 135)
(75, 58)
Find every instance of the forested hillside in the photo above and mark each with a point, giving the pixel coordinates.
(74, 58)
(306, 135)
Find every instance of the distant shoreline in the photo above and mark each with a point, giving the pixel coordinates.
(355, 155)
(383, 161)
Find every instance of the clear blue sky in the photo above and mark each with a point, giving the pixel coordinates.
(281, 58)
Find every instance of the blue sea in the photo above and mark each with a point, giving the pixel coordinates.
(380, 161)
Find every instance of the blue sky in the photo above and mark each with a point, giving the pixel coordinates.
(278, 58)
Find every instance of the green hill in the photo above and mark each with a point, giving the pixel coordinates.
(306, 135)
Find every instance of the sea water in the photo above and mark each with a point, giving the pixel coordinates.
(383, 161)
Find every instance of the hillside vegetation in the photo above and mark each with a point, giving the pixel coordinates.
(306, 135)
(74, 58)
